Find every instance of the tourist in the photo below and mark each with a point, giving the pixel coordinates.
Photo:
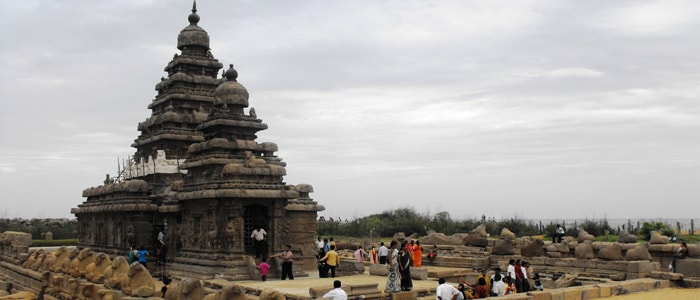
(525, 281)
(393, 283)
(528, 274)
(538, 284)
(432, 254)
(142, 255)
(360, 254)
(558, 234)
(681, 253)
(319, 244)
(332, 243)
(445, 291)
(132, 254)
(161, 238)
(264, 268)
(480, 291)
(519, 276)
(510, 286)
(326, 246)
(410, 247)
(405, 261)
(166, 285)
(336, 293)
(498, 286)
(463, 292)
(331, 258)
(417, 255)
(287, 259)
(383, 252)
(373, 255)
(510, 271)
(258, 236)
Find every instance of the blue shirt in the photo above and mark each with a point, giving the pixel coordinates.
(142, 255)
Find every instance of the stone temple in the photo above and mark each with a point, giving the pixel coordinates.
(200, 177)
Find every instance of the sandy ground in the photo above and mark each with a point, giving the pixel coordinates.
(661, 294)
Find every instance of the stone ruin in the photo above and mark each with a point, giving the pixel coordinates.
(200, 177)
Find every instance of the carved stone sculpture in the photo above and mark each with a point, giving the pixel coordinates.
(641, 252)
(627, 238)
(188, 289)
(270, 294)
(532, 249)
(506, 234)
(503, 247)
(658, 238)
(611, 252)
(95, 271)
(583, 235)
(116, 273)
(80, 263)
(140, 283)
(566, 280)
(229, 292)
(584, 250)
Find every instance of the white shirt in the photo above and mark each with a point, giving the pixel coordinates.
(511, 271)
(445, 292)
(499, 287)
(524, 272)
(336, 294)
(319, 244)
(383, 251)
(258, 235)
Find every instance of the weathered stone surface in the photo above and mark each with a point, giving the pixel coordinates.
(611, 252)
(627, 238)
(400, 237)
(140, 283)
(188, 289)
(477, 241)
(566, 280)
(585, 236)
(658, 238)
(694, 250)
(533, 248)
(641, 252)
(503, 247)
(540, 295)
(116, 274)
(639, 266)
(571, 293)
(584, 250)
(419, 273)
(95, 271)
(441, 239)
(270, 294)
(80, 263)
(689, 267)
(228, 292)
(506, 234)
(380, 270)
(589, 292)
(479, 231)
(666, 275)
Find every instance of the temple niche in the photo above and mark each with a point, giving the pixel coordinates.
(199, 177)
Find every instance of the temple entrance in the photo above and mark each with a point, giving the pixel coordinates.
(256, 215)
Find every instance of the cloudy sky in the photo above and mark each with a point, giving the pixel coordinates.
(530, 109)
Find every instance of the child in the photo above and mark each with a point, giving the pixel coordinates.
(264, 267)
(433, 253)
(538, 284)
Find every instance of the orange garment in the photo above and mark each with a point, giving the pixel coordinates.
(373, 253)
(417, 255)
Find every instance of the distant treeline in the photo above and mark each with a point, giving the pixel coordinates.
(408, 221)
(60, 228)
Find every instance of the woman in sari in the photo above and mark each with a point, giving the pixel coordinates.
(405, 262)
(393, 284)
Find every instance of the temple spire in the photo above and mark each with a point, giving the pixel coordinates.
(194, 17)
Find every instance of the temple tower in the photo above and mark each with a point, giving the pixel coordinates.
(200, 177)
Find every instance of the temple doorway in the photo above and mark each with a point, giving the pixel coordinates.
(256, 215)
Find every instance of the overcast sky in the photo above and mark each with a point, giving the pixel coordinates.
(529, 109)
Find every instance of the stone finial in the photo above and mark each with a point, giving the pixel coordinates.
(193, 17)
(231, 74)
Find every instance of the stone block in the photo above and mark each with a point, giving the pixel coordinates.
(639, 266)
(689, 267)
(540, 295)
(606, 289)
(572, 293)
(618, 265)
(562, 262)
(404, 296)
(380, 270)
(419, 273)
(631, 276)
(589, 292)
(666, 275)
(557, 294)
(521, 296)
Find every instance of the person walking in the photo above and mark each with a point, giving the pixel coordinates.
(405, 262)
(417, 254)
(286, 257)
(383, 253)
(258, 236)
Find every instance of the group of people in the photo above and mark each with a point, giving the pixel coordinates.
(492, 286)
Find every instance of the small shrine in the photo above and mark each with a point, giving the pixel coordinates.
(199, 183)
